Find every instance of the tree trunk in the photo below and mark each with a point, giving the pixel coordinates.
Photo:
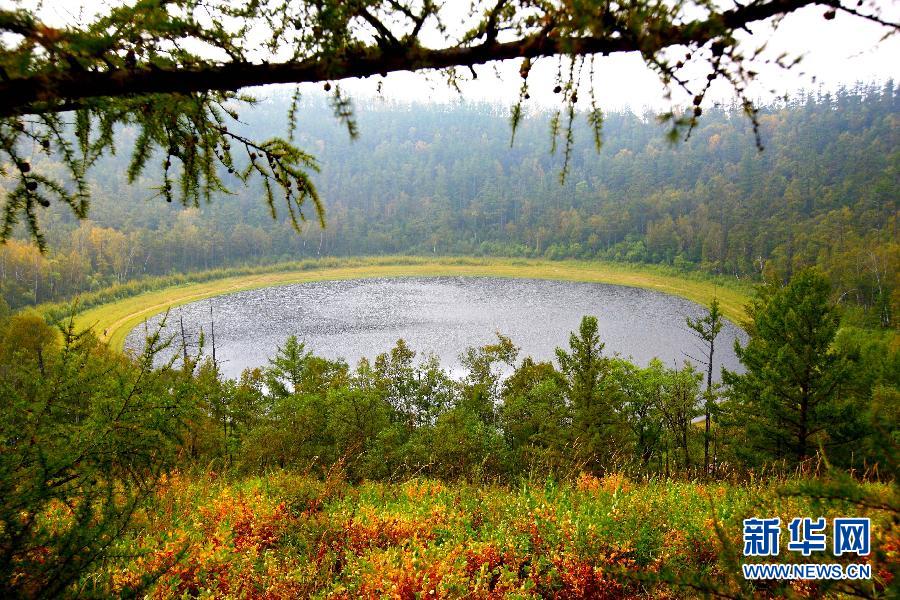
(803, 429)
(709, 374)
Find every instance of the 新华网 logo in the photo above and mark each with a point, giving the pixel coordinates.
(806, 536)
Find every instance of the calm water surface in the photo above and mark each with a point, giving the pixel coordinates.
(443, 315)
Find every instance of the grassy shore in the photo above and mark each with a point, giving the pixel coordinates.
(113, 320)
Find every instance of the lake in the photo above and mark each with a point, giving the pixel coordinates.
(443, 316)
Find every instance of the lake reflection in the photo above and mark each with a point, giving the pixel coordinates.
(443, 315)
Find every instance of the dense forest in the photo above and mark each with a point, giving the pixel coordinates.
(446, 180)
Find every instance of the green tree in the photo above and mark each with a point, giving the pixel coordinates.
(209, 414)
(791, 397)
(243, 407)
(536, 419)
(436, 391)
(462, 445)
(643, 392)
(295, 370)
(84, 435)
(707, 328)
(678, 405)
(355, 419)
(293, 433)
(288, 368)
(395, 376)
(481, 386)
(595, 401)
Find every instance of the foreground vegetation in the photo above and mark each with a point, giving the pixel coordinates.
(113, 313)
(286, 535)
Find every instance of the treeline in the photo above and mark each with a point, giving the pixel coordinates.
(807, 392)
(445, 180)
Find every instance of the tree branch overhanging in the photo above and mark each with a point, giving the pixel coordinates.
(67, 90)
(139, 65)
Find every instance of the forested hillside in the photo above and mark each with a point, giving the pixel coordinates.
(445, 180)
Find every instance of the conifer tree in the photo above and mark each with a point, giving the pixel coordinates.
(790, 397)
(288, 367)
(593, 401)
(85, 432)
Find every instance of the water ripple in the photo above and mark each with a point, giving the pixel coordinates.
(443, 315)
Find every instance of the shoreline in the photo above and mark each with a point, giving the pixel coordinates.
(112, 321)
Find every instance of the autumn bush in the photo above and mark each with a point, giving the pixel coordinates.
(286, 535)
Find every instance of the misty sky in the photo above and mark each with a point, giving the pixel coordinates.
(841, 51)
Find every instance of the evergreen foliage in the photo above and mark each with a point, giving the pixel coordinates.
(85, 435)
(794, 395)
(707, 328)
